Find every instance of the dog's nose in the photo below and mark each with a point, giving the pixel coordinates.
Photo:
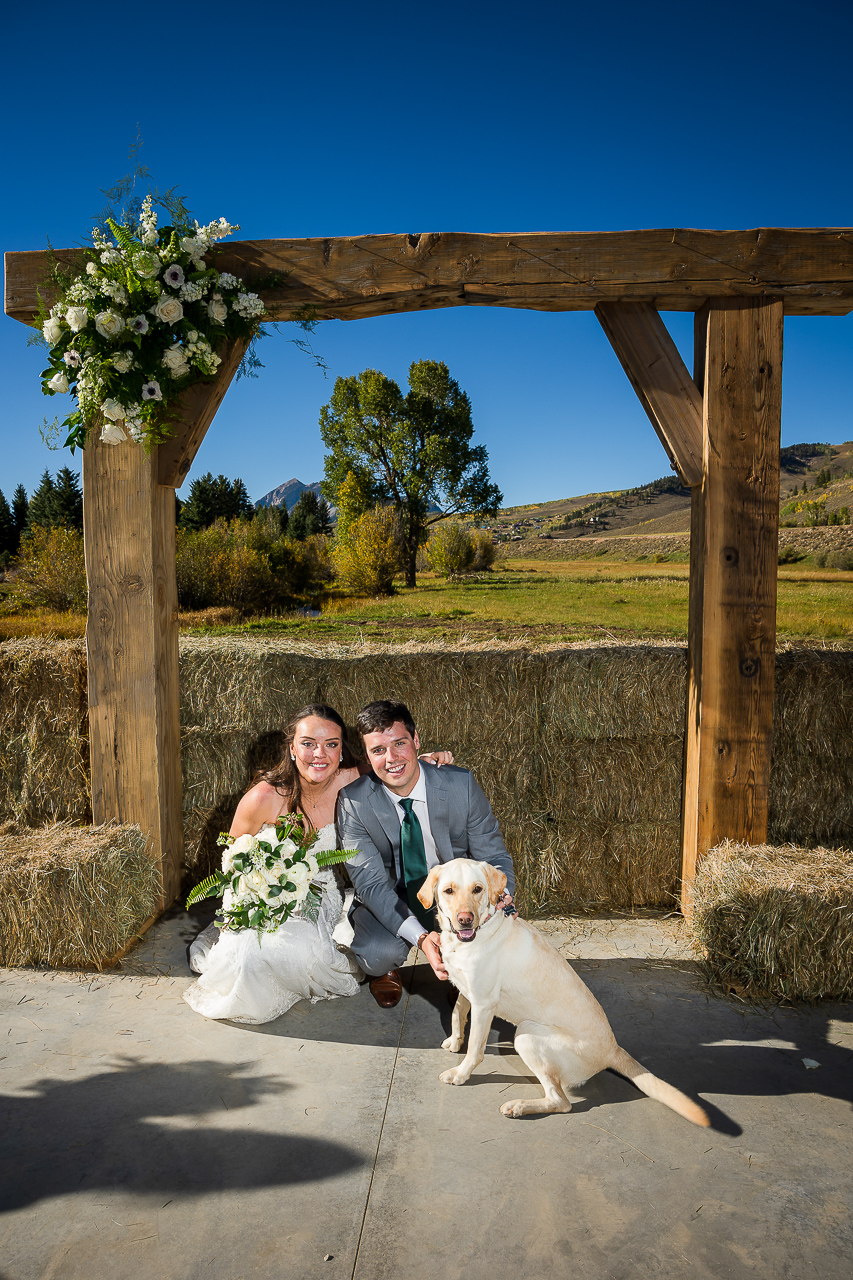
(464, 917)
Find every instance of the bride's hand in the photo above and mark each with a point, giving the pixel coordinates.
(437, 758)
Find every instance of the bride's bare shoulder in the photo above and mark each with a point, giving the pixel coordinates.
(261, 804)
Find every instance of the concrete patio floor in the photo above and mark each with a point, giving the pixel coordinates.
(141, 1140)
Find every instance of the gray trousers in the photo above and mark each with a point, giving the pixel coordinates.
(376, 950)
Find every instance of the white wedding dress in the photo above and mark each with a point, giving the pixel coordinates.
(252, 977)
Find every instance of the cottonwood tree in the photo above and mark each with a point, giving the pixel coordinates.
(412, 451)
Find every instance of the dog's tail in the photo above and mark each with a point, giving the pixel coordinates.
(658, 1089)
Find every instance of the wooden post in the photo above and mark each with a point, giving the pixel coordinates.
(132, 648)
(733, 568)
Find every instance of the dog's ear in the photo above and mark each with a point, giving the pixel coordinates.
(426, 893)
(496, 880)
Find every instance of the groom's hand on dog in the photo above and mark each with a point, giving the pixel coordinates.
(429, 944)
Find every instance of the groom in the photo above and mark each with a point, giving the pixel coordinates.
(404, 818)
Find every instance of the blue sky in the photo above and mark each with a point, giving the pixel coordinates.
(344, 119)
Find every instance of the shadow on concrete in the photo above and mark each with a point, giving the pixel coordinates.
(112, 1130)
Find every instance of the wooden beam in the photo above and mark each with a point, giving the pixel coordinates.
(660, 378)
(132, 649)
(195, 412)
(733, 583)
(672, 269)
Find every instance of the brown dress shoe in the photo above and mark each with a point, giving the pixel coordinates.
(387, 989)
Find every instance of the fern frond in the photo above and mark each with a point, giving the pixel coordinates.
(209, 888)
(332, 857)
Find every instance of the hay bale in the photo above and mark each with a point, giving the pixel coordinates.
(777, 923)
(72, 896)
(44, 733)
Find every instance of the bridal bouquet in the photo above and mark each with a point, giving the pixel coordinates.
(264, 878)
(141, 324)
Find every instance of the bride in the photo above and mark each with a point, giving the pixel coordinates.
(254, 977)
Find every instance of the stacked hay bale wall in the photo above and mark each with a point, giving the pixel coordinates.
(579, 749)
(777, 923)
(72, 896)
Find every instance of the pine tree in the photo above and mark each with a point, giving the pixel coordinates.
(215, 499)
(309, 516)
(40, 510)
(67, 507)
(7, 529)
(20, 507)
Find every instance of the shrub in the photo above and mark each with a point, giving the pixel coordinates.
(789, 554)
(219, 566)
(450, 550)
(370, 554)
(840, 560)
(484, 550)
(50, 570)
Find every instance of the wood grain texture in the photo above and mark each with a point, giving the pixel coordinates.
(661, 380)
(132, 650)
(194, 413)
(673, 269)
(730, 693)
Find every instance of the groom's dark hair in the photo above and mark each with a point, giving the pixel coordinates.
(376, 717)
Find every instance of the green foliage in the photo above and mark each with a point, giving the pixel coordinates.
(450, 550)
(370, 552)
(789, 554)
(485, 550)
(210, 888)
(248, 565)
(411, 451)
(309, 517)
(50, 570)
(215, 499)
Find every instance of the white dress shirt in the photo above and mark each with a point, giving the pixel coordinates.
(410, 930)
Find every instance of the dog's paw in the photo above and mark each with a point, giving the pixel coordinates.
(451, 1044)
(453, 1076)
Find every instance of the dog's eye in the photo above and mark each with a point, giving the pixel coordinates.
(448, 888)
(478, 888)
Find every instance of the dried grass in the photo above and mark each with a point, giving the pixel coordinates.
(72, 896)
(777, 923)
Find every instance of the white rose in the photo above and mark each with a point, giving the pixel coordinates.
(111, 433)
(255, 881)
(299, 875)
(114, 410)
(52, 330)
(167, 309)
(77, 317)
(123, 361)
(147, 264)
(217, 309)
(243, 844)
(109, 324)
(58, 382)
(174, 358)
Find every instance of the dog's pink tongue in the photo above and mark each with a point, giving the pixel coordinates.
(465, 935)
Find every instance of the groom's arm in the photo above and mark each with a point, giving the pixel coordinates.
(367, 870)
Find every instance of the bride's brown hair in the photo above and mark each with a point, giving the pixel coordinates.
(285, 777)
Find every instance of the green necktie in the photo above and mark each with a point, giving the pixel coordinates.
(413, 859)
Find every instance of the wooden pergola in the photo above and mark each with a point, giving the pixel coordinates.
(720, 428)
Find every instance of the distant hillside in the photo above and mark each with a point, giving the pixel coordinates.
(287, 493)
(663, 506)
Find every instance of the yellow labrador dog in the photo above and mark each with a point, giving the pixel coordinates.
(502, 966)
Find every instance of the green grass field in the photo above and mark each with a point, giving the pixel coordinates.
(534, 602)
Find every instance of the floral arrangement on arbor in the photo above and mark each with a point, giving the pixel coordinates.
(265, 878)
(141, 324)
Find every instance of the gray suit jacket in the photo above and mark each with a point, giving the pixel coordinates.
(462, 824)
